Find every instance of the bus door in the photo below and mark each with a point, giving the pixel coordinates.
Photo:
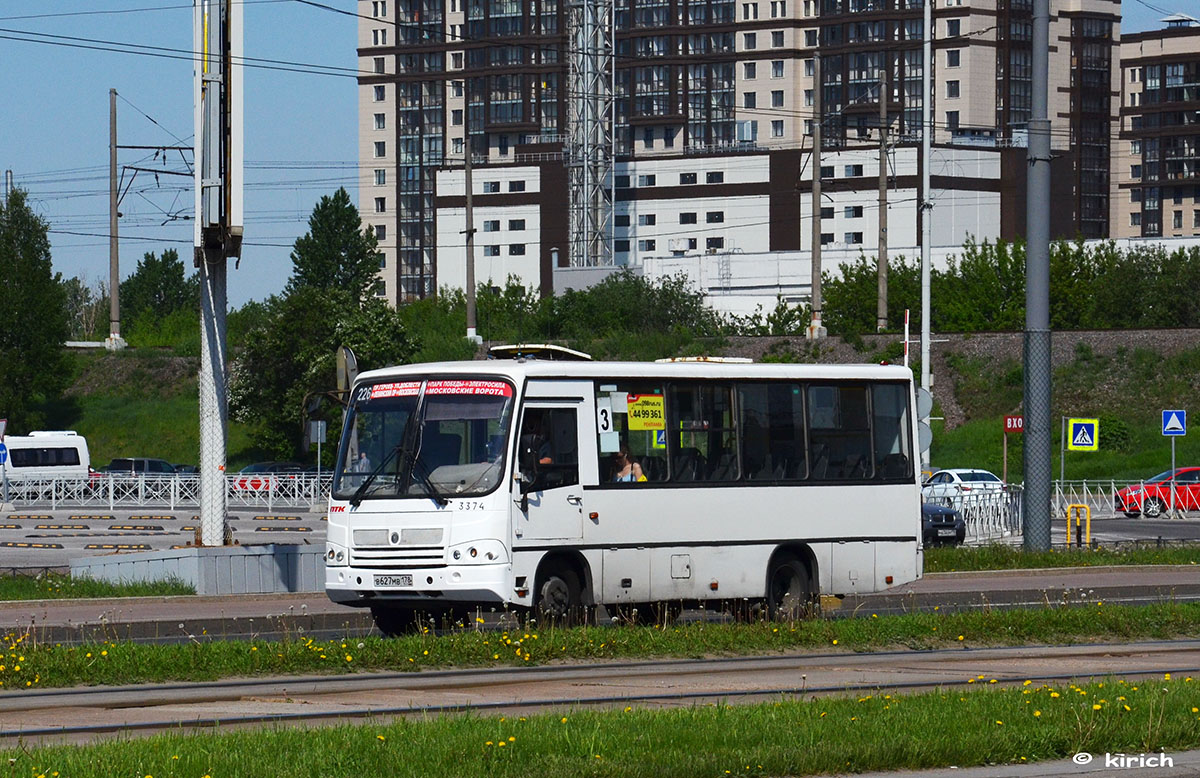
(549, 502)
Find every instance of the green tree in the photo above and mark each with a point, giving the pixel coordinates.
(335, 253)
(158, 288)
(850, 299)
(292, 354)
(34, 321)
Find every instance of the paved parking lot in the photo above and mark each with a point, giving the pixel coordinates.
(50, 539)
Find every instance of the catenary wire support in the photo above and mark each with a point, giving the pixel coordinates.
(1037, 295)
(217, 94)
(590, 133)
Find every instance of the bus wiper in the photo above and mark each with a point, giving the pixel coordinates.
(418, 468)
(370, 479)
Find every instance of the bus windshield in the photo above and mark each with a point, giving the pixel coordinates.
(435, 438)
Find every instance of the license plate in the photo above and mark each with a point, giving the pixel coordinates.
(393, 580)
(942, 533)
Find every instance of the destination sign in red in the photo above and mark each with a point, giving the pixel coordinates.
(473, 386)
(1014, 423)
(398, 389)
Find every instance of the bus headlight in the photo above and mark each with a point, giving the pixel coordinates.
(335, 555)
(478, 552)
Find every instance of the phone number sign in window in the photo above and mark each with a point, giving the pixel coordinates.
(646, 412)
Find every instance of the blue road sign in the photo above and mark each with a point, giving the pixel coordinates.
(3, 453)
(1174, 422)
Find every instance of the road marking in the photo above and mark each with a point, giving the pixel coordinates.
(13, 544)
(277, 518)
(283, 529)
(120, 546)
(62, 526)
(30, 517)
(152, 518)
(97, 517)
(10, 526)
(138, 527)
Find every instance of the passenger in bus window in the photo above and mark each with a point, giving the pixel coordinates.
(626, 469)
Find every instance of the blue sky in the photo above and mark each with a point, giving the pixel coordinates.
(300, 130)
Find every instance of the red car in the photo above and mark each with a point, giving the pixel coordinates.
(1152, 497)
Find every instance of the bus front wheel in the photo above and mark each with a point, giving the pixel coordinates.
(790, 593)
(394, 620)
(559, 594)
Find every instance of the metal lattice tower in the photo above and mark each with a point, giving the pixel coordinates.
(590, 132)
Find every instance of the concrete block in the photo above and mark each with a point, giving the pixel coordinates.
(265, 569)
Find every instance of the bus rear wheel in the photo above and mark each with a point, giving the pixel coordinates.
(790, 594)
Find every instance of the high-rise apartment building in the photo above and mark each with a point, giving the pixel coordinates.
(1156, 167)
(714, 107)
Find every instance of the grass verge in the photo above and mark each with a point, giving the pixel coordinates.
(61, 587)
(787, 737)
(997, 557)
(25, 663)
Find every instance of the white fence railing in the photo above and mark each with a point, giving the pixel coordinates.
(1150, 500)
(990, 516)
(111, 491)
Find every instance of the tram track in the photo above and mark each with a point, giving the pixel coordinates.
(85, 714)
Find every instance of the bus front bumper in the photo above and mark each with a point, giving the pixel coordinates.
(443, 585)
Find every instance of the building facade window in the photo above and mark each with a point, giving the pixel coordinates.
(621, 220)
(516, 186)
(714, 217)
(952, 89)
(456, 117)
(646, 180)
(380, 148)
(380, 176)
(714, 243)
(777, 98)
(749, 100)
(379, 93)
(687, 178)
(951, 120)
(491, 225)
(516, 249)
(646, 220)
(380, 205)
(749, 41)
(748, 70)
(776, 68)
(379, 37)
(777, 128)
(516, 225)
(778, 8)
(380, 232)
(854, 171)
(953, 28)
(491, 251)
(853, 237)
(853, 212)
(714, 177)
(688, 217)
(777, 39)
(646, 245)
(953, 57)
(491, 187)
(381, 121)
(378, 63)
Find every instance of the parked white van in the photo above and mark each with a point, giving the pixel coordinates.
(47, 454)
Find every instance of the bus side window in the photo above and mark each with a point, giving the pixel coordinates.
(549, 450)
(632, 423)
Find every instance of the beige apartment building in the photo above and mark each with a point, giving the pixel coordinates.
(1156, 161)
(714, 111)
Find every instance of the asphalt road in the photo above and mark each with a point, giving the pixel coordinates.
(50, 539)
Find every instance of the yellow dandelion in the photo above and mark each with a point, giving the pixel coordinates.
(511, 739)
(1166, 676)
(349, 658)
(835, 642)
(1027, 683)
(627, 709)
(1054, 694)
(1037, 713)
(564, 719)
(380, 738)
(960, 637)
(1001, 723)
(1097, 707)
(103, 653)
(502, 744)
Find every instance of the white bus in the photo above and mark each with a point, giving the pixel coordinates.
(47, 454)
(495, 483)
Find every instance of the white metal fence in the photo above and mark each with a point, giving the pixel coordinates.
(991, 517)
(111, 491)
(1149, 500)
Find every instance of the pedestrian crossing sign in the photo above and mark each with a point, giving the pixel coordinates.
(1083, 434)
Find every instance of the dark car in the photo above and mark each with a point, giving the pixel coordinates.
(941, 525)
(186, 469)
(272, 467)
(140, 466)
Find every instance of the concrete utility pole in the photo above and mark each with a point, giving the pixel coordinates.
(114, 342)
(881, 312)
(1037, 294)
(926, 205)
(470, 233)
(218, 233)
(815, 329)
(8, 185)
